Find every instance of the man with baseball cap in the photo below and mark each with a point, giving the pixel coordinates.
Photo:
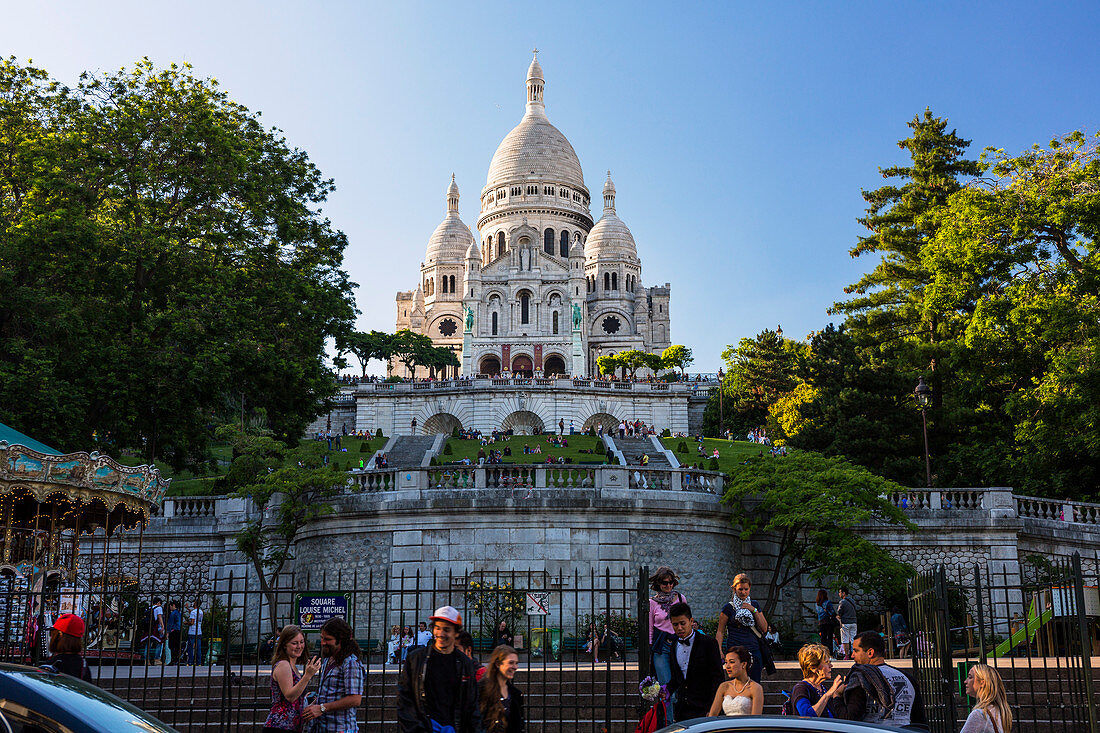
(437, 690)
(66, 647)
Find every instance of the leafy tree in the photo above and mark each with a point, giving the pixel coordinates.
(495, 602)
(608, 363)
(810, 506)
(412, 349)
(632, 360)
(262, 470)
(163, 261)
(1015, 264)
(677, 356)
(366, 346)
(758, 372)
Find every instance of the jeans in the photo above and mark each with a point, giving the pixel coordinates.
(662, 666)
(194, 649)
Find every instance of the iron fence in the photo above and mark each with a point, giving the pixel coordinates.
(1039, 633)
(228, 687)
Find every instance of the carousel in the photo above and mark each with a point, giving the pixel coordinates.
(51, 503)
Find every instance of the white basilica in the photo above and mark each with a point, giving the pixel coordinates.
(540, 290)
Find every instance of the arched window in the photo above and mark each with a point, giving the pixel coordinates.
(607, 281)
(500, 244)
(614, 281)
(443, 284)
(548, 241)
(525, 308)
(452, 283)
(555, 322)
(565, 244)
(494, 323)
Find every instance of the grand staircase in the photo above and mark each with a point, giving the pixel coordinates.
(407, 451)
(633, 448)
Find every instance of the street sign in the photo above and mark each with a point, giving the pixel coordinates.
(538, 604)
(314, 609)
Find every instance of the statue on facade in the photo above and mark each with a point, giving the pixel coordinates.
(468, 314)
(576, 317)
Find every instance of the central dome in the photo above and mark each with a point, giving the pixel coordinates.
(535, 149)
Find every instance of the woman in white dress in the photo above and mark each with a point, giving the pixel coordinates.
(393, 647)
(739, 695)
(991, 714)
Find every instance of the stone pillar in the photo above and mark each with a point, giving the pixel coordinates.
(467, 354)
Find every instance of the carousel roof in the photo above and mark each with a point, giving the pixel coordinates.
(13, 436)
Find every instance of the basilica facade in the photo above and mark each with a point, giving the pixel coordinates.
(541, 289)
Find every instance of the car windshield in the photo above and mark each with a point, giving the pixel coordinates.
(88, 702)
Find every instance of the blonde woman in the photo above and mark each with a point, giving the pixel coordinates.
(739, 695)
(742, 623)
(991, 714)
(809, 698)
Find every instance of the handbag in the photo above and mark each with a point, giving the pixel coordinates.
(765, 651)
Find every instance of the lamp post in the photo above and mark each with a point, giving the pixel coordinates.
(923, 395)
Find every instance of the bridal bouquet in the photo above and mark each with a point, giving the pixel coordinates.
(651, 689)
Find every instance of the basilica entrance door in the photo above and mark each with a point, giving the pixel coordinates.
(522, 366)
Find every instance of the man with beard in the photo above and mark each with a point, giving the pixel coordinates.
(437, 690)
(878, 693)
(340, 691)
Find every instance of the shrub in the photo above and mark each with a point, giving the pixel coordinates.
(713, 465)
(378, 433)
(666, 433)
(454, 432)
(433, 462)
(681, 447)
(364, 447)
(447, 450)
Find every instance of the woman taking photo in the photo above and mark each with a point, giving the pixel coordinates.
(740, 695)
(809, 698)
(287, 685)
(742, 623)
(991, 714)
(661, 636)
(501, 701)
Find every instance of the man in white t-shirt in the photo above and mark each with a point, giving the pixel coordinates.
(194, 633)
(878, 693)
(423, 636)
(155, 634)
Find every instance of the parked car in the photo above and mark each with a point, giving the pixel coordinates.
(774, 724)
(40, 700)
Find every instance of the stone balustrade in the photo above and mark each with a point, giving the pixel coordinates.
(538, 476)
(1077, 512)
(190, 506)
(534, 383)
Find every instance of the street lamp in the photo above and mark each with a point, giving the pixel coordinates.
(923, 395)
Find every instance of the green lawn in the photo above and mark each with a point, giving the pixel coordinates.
(468, 449)
(730, 452)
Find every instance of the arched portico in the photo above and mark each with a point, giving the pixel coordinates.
(442, 422)
(553, 364)
(609, 422)
(523, 422)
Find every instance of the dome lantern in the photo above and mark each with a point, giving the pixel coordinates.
(535, 85)
(452, 196)
(609, 195)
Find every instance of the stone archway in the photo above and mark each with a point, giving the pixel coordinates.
(523, 422)
(489, 365)
(442, 422)
(553, 364)
(609, 422)
(522, 366)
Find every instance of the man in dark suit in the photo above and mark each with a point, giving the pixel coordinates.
(696, 666)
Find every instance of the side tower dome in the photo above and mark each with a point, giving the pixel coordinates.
(610, 239)
(451, 238)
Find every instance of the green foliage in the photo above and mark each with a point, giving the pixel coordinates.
(758, 372)
(666, 433)
(364, 447)
(163, 260)
(677, 356)
(366, 346)
(712, 464)
(811, 504)
(495, 602)
(447, 449)
(681, 447)
(622, 624)
(378, 433)
(608, 364)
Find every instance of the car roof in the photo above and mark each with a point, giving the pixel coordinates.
(69, 701)
(772, 722)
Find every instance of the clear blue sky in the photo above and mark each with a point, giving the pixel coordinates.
(739, 135)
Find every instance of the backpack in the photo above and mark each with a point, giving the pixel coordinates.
(654, 719)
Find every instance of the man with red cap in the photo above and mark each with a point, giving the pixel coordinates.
(437, 690)
(66, 647)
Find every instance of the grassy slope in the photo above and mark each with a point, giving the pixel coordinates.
(730, 452)
(469, 448)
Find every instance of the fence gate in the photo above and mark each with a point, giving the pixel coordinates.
(567, 686)
(1037, 630)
